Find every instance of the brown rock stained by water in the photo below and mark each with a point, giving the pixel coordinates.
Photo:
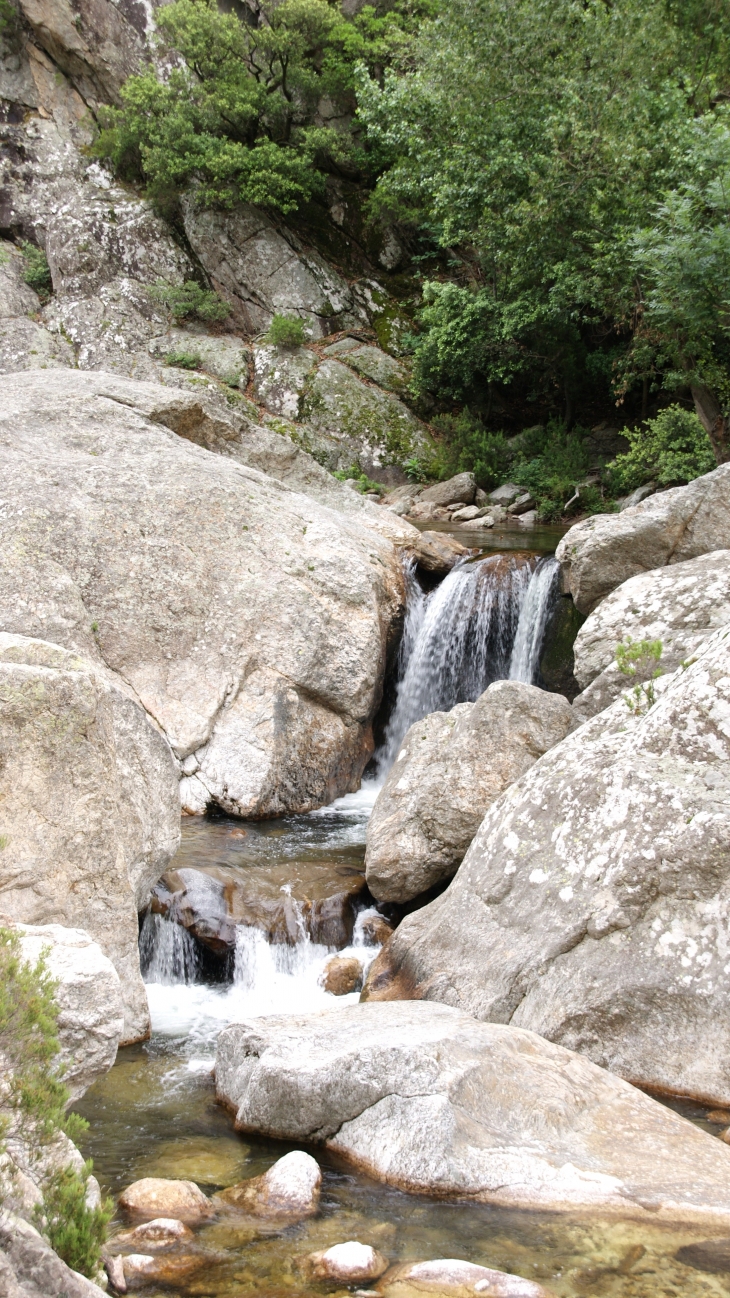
(342, 975)
(349, 1263)
(290, 1189)
(154, 1197)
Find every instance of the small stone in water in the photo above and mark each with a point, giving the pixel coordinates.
(141, 1268)
(351, 1262)
(160, 1232)
(289, 1189)
(445, 1274)
(341, 975)
(720, 1117)
(376, 931)
(154, 1197)
(711, 1255)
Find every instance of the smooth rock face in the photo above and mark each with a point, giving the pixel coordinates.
(450, 1275)
(154, 1197)
(460, 489)
(289, 1189)
(90, 817)
(29, 1268)
(680, 605)
(351, 1263)
(250, 622)
(603, 551)
(450, 768)
(89, 997)
(430, 1100)
(591, 906)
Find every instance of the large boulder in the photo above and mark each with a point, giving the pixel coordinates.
(250, 622)
(450, 768)
(603, 551)
(591, 906)
(29, 1268)
(428, 1099)
(680, 605)
(89, 998)
(89, 817)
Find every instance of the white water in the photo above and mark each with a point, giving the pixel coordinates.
(534, 614)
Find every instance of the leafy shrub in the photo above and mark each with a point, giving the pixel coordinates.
(190, 300)
(74, 1230)
(184, 360)
(467, 445)
(636, 659)
(37, 271)
(673, 448)
(37, 1100)
(285, 331)
(364, 483)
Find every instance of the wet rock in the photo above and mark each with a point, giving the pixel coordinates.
(141, 1269)
(114, 1268)
(719, 1116)
(466, 514)
(451, 1276)
(160, 1232)
(251, 622)
(90, 815)
(438, 552)
(603, 551)
(711, 1255)
(89, 998)
(528, 519)
(350, 1263)
(342, 975)
(289, 1189)
(506, 495)
(153, 1197)
(461, 488)
(590, 906)
(680, 605)
(450, 768)
(211, 901)
(433, 1101)
(376, 930)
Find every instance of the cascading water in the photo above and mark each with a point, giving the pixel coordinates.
(167, 952)
(532, 625)
(461, 637)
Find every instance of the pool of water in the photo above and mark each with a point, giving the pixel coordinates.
(155, 1114)
(542, 539)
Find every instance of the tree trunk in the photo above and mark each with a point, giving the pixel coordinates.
(713, 421)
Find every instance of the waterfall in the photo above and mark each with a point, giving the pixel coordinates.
(457, 640)
(534, 616)
(167, 952)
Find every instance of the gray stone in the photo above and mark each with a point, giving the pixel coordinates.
(592, 904)
(680, 605)
(522, 505)
(461, 488)
(250, 622)
(290, 1189)
(450, 768)
(445, 1276)
(224, 356)
(506, 494)
(29, 1268)
(636, 497)
(89, 819)
(603, 551)
(528, 519)
(281, 376)
(89, 998)
(438, 552)
(348, 1263)
(466, 513)
(24, 342)
(372, 363)
(95, 44)
(426, 1098)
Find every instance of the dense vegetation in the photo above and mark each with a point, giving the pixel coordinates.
(34, 1103)
(560, 170)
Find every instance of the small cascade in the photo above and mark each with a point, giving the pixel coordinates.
(167, 952)
(457, 640)
(534, 617)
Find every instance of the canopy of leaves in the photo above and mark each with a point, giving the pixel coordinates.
(673, 448)
(534, 139)
(239, 109)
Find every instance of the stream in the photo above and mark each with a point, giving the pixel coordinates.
(154, 1113)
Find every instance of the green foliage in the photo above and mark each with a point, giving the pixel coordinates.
(74, 1230)
(184, 360)
(636, 659)
(361, 480)
(672, 448)
(37, 271)
(37, 1100)
(466, 444)
(190, 300)
(236, 110)
(531, 140)
(286, 331)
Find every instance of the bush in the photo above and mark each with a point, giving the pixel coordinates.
(184, 360)
(364, 483)
(37, 271)
(671, 449)
(190, 300)
(37, 1099)
(285, 331)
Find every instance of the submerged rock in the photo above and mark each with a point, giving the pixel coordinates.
(90, 814)
(591, 906)
(142, 1269)
(603, 551)
(430, 1100)
(680, 605)
(154, 1197)
(289, 1189)
(452, 1276)
(450, 768)
(88, 994)
(350, 1263)
(161, 1232)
